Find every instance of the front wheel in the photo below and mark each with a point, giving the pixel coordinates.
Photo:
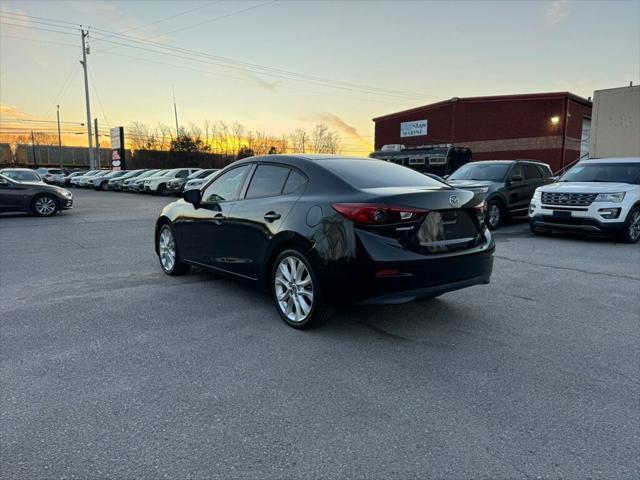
(495, 214)
(631, 231)
(296, 291)
(168, 252)
(44, 205)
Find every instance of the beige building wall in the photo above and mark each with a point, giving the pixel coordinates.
(615, 126)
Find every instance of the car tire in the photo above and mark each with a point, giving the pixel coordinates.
(44, 205)
(161, 190)
(631, 231)
(296, 291)
(168, 253)
(495, 214)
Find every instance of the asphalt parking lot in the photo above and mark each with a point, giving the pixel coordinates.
(111, 369)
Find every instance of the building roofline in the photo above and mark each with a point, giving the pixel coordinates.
(490, 98)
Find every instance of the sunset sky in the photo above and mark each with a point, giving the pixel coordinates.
(279, 65)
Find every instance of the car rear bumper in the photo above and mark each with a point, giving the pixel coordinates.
(372, 282)
(575, 224)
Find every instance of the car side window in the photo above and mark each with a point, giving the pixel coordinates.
(226, 187)
(295, 180)
(531, 172)
(182, 174)
(544, 171)
(516, 171)
(267, 181)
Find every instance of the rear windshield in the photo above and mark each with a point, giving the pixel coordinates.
(604, 172)
(363, 173)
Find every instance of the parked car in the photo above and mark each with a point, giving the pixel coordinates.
(21, 174)
(506, 185)
(75, 181)
(176, 186)
(102, 182)
(318, 230)
(37, 198)
(600, 196)
(137, 185)
(50, 174)
(88, 180)
(198, 182)
(157, 185)
(66, 180)
(117, 183)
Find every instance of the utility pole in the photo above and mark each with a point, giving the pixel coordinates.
(175, 112)
(33, 149)
(304, 136)
(85, 34)
(97, 141)
(59, 138)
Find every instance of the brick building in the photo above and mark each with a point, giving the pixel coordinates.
(551, 127)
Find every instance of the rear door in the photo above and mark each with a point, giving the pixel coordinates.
(255, 219)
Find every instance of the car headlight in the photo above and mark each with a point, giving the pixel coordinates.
(480, 190)
(66, 193)
(610, 197)
(537, 195)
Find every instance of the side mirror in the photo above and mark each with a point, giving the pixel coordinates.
(4, 182)
(445, 177)
(516, 179)
(554, 179)
(192, 196)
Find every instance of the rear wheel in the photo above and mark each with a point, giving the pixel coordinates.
(168, 252)
(631, 231)
(44, 205)
(495, 214)
(296, 291)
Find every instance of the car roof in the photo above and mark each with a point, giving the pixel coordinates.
(612, 160)
(10, 169)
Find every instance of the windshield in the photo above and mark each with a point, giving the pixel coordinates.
(604, 172)
(21, 175)
(494, 172)
(195, 174)
(365, 173)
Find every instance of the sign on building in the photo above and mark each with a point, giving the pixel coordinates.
(413, 129)
(117, 149)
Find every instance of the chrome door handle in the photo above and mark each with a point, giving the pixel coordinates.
(271, 216)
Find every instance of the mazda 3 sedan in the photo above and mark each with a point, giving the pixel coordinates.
(317, 231)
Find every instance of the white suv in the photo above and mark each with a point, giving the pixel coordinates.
(157, 184)
(600, 196)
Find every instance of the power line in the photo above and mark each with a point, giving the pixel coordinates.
(229, 63)
(32, 27)
(95, 90)
(4, 35)
(63, 89)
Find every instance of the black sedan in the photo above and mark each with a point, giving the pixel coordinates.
(321, 230)
(37, 198)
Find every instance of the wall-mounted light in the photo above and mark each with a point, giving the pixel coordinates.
(555, 120)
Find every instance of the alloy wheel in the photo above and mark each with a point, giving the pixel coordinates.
(45, 206)
(294, 289)
(167, 249)
(634, 226)
(494, 215)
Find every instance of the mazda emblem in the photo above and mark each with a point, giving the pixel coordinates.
(453, 200)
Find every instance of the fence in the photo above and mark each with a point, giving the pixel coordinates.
(78, 157)
(49, 155)
(164, 159)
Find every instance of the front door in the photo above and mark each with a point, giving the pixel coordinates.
(517, 188)
(204, 234)
(14, 196)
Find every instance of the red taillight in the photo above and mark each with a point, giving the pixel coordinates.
(376, 214)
